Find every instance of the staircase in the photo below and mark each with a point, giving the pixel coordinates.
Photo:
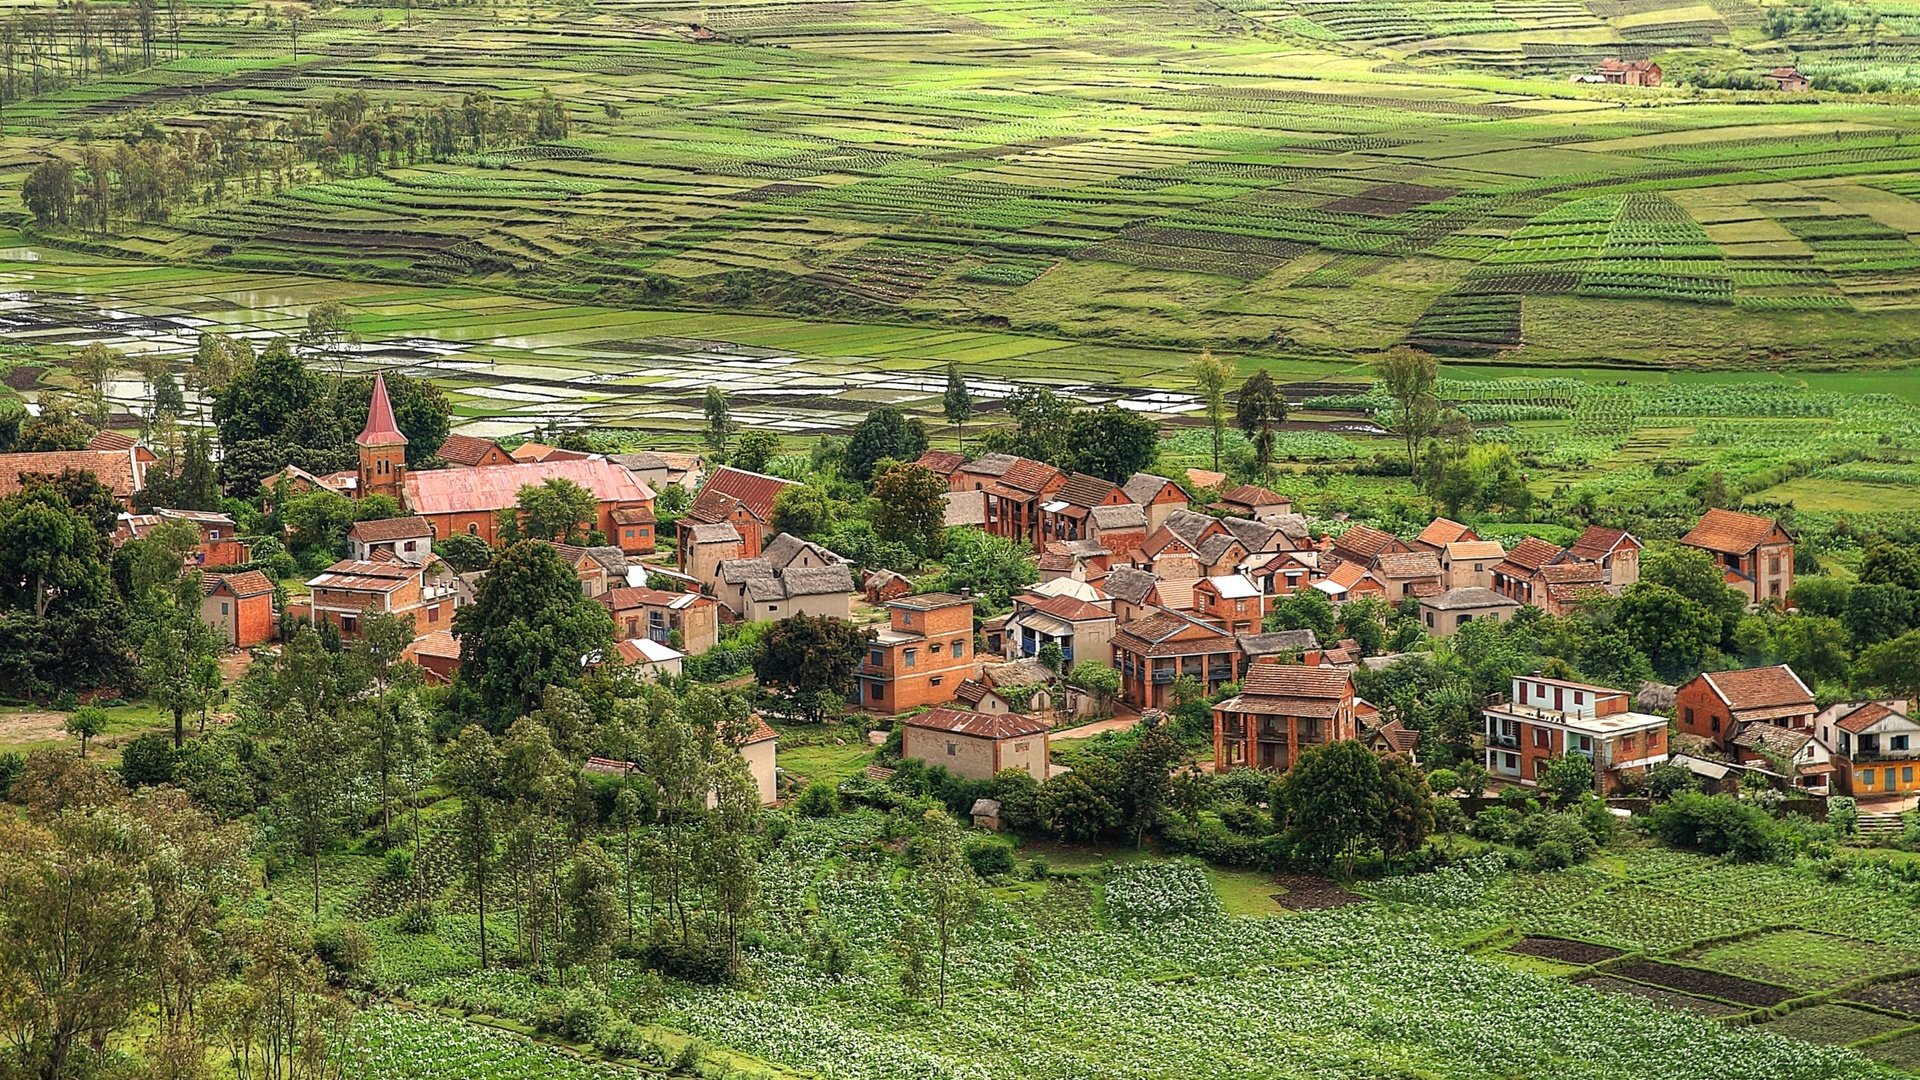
(1882, 827)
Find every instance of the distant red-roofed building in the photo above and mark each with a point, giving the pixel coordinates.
(1755, 554)
(1157, 497)
(1363, 544)
(219, 537)
(472, 452)
(1083, 630)
(1544, 719)
(1067, 514)
(469, 500)
(1519, 577)
(122, 471)
(1440, 532)
(438, 654)
(1014, 488)
(1253, 501)
(921, 657)
(1628, 72)
(408, 539)
(688, 621)
(974, 745)
(1788, 79)
(346, 592)
(942, 463)
(536, 452)
(1716, 705)
(1615, 551)
(239, 607)
(739, 498)
(1280, 710)
(1232, 602)
(1875, 748)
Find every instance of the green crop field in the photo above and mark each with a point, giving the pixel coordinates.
(1304, 181)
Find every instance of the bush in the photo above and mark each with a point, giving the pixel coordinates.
(147, 760)
(817, 801)
(1553, 855)
(398, 867)
(418, 919)
(989, 857)
(1212, 841)
(700, 959)
(1495, 824)
(1243, 819)
(1443, 781)
(1843, 813)
(343, 947)
(1718, 825)
(12, 765)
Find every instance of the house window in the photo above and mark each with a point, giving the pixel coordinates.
(1866, 778)
(1540, 738)
(1429, 620)
(1021, 747)
(1716, 725)
(1906, 774)
(223, 611)
(1899, 741)
(213, 534)
(936, 680)
(1586, 743)
(873, 690)
(1579, 697)
(1688, 713)
(960, 647)
(953, 749)
(473, 528)
(910, 656)
(934, 649)
(873, 657)
(433, 613)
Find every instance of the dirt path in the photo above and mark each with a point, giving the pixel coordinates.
(27, 727)
(1124, 722)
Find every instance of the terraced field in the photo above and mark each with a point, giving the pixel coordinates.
(1307, 180)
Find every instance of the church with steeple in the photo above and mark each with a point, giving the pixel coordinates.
(383, 449)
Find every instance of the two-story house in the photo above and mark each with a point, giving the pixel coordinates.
(1152, 652)
(1082, 629)
(1547, 718)
(1280, 710)
(1232, 602)
(1754, 553)
(921, 657)
(1875, 746)
(688, 621)
(346, 592)
(407, 539)
(1717, 704)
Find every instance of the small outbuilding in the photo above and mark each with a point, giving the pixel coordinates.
(1447, 612)
(974, 745)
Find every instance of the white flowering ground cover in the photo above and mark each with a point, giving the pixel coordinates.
(1138, 975)
(387, 1044)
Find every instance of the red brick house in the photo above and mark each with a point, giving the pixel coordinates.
(1615, 551)
(347, 591)
(942, 463)
(470, 452)
(1443, 531)
(1152, 652)
(438, 654)
(659, 615)
(1157, 496)
(1253, 501)
(1363, 544)
(239, 607)
(976, 745)
(1066, 515)
(1754, 552)
(922, 657)
(1717, 704)
(1232, 602)
(219, 536)
(1518, 576)
(1628, 72)
(1280, 710)
(739, 498)
(1013, 489)
(122, 471)
(408, 539)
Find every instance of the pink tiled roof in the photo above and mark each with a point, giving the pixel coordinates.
(453, 491)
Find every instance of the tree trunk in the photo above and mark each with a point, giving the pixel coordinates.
(179, 728)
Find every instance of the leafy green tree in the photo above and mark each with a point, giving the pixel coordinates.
(1261, 409)
(86, 723)
(593, 913)
(992, 567)
(528, 628)
(1042, 427)
(805, 510)
(947, 881)
(1304, 609)
(1075, 806)
(1568, 778)
(1331, 801)
(957, 403)
(329, 323)
(886, 433)
(1695, 575)
(180, 657)
(473, 772)
(261, 400)
(56, 428)
(464, 553)
(1210, 374)
(1677, 634)
(1111, 442)
(316, 523)
(1099, 680)
(1406, 807)
(1412, 379)
(556, 509)
(52, 552)
(1815, 646)
(1146, 779)
(720, 425)
(811, 658)
(1892, 665)
(754, 450)
(910, 507)
(94, 366)
(186, 478)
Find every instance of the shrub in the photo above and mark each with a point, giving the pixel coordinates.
(418, 919)
(1553, 855)
(1718, 825)
(1843, 814)
(398, 867)
(989, 857)
(817, 801)
(1243, 819)
(343, 947)
(1443, 781)
(148, 759)
(12, 765)
(1495, 824)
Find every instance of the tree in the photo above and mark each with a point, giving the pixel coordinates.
(804, 510)
(1568, 778)
(1412, 379)
(1695, 575)
(329, 323)
(953, 895)
(811, 658)
(1676, 634)
(1304, 609)
(180, 657)
(1077, 808)
(86, 723)
(720, 423)
(186, 478)
(473, 772)
(48, 192)
(991, 567)
(463, 552)
(593, 915)
(1099, 680)
(1815, 646)
(528, 628)
(1210, 374)
(1042, 426)
(754, 450)
(910, 507)
(557, 509)
(1110, 442)
(885, 433)
(1261, 409)
(957, 403)
(1893, 665)
(1146, 778)
(1331, 801)
(94, 366)
(53, 552)
(1406, 807)
(56, 428)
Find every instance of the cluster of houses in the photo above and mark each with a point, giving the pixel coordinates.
(1615, 71)
(1130, 574)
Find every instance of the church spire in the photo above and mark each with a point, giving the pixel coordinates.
(381, 430)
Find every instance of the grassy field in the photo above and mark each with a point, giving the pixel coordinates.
(1307, 182)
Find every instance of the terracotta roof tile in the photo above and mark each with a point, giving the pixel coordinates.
(1864, 717)
(1405, 564)
(1533, 553)
(1729, 532)
(1029, 476)
(1295, 680)
(1083, 490)
(381, 430)
(243, 584)
(110, 440)
(1144, 488)
(942, 462)
(729, 485)
(978, 725)
(465, 450)
(114, 468)
(1760, 688)
(388, 530)
(1599, 541)
(1253, 495)
(1363, 544)
(1443, 531)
